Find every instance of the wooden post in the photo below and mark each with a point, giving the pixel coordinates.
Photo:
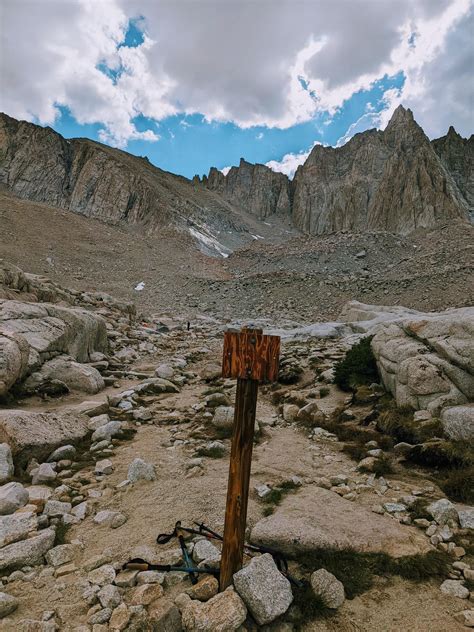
(251, 357)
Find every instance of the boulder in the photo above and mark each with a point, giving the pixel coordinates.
(205, 550)
(223, 418)
(264, 590)
(61, 554)
(443, 511)
(108, 430)
(35, 435)
(466, 517)
(310, 414)
(458, 422)
(12, 497)
(16, 527)
(340, 524)
(45, 473)
(27, 552)
(6, 463)
(427, 360)
(164, 616)
(328, 588)
(164, 371)
(454, 588)
(14, 354)
(64, 369)
(223, 613)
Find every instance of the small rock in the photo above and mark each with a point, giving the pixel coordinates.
(150, 577)
(120, 618)
(109, 518)
(8, 604)
(205, 550)
(454, 589)
(466, 518)
(145, 594)
(466, 617)
(443, 511)
(104, 467)
(109, 596)
(265, 591)
(140, 470)
(164, 616)
(102, 616)
(12, 497)
(107, 431)
(6, 463)
(56, 508)
(45, 473)
(64, 452)
(61, 554)
(328, 588)
(223, 613)
(206, 588)
(126, 579)
(394, 507)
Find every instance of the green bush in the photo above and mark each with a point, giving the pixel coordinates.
(358, 366)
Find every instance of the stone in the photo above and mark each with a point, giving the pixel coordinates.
(139, 470)
(150, 577)
(292, 529)
(206, 588)
(107, 431)
(109, 518)
(164, 371)
(310, 414)
(223, 613)
(466, 517)
(105, 466)
(145, 594)
(205, 550)
(102, 616)
(16, 527)
(109, 596)
(217, 399)
(27, 552)
(264, 590)
(126, 579)
(328, 588)
(56, 508)
(45, 473)
(103, 575)
(458, 422)
(12, 497)
(290, 412)
(368, 464)
(8, 604)
(61, 554)
(77, 377)
(454, 588)
(120, 618)
(443, 511)
(6, 463)
(223, 418)
(63, 452)
(98, 421)
(164, 616)
(81, 510)
(394, 507)
(466, 618)
(35, 435)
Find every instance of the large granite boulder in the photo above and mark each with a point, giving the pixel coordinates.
(427, 360)
(318, 518)
(458, 422)
(34, 435)
(76, 376)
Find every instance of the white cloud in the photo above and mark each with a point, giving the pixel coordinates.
(233, 60)
(290, 162)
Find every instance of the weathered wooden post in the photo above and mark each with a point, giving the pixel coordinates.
(250, 357)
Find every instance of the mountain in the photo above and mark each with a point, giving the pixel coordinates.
(110, 185)
(395, 180)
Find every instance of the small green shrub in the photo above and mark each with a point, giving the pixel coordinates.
(356, 451)
(61, 532)
(324, 391)
(442, 454)
(308, 606)
(459, 485)
(358, 367)
(418, 510)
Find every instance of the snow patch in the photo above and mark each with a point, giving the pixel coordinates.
(208, 243)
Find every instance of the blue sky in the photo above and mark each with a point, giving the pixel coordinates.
(197, 84)
(190, 145)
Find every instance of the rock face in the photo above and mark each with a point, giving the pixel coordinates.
(31, 434)
(255, 188)
(457, 155)
(458, 422)
(427, 360)
(97, 181)
(392, 180)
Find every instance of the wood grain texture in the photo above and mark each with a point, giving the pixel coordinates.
(239, 480)
(249, 354)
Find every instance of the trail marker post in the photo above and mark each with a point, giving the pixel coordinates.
(252, 358)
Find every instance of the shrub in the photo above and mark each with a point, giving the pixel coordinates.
(459, 485)
(324, 391)
(358, 367)
(398, 421)
(442, 454)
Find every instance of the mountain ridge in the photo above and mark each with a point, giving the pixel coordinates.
(394, 180)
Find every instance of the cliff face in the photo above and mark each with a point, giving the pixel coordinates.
(255, 188)
(457, 155)
(392, 180)
(107, 184)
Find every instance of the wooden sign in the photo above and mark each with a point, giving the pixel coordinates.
(250, 357)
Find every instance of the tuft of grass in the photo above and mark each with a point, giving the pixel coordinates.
(383, 466)
(356, 451)
(324, 391)
(442, 454)
(418, 510)
(357, 570)
(459, 485)
(358, 367)
(307, 606)
(268, 510)
(61, 532)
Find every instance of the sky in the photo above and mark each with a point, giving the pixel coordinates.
(198, 83)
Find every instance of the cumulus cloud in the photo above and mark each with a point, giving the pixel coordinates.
(290, 162)
(239, 61)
